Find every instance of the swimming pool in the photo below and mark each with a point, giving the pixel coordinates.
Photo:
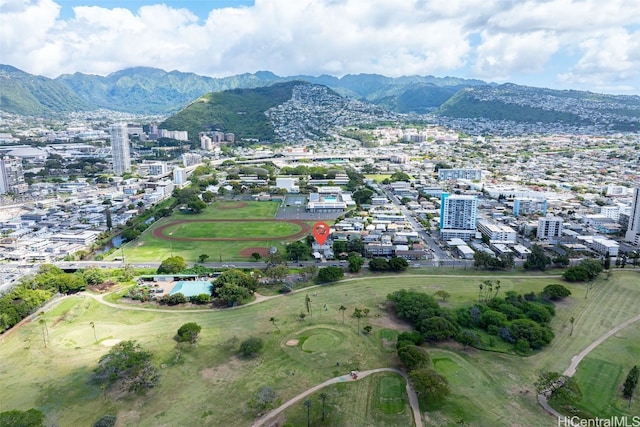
(191, 288)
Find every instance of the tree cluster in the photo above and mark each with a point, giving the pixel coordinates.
(587, 270)
(234, 287)
(522, 321)
(426, 381)
(330, 274)
(485, 261)
(630, 383)
(537, 259)
(395, 264)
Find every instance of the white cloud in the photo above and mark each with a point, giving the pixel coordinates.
(490, 39)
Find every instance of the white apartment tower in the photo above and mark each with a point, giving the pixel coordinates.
(120, 148)
(458, 216)
(12, 176)
(549, 228)
(633, 229)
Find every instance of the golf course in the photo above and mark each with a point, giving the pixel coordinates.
(210, 384)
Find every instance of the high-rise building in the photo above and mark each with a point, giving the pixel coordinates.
(120, 148)
(633, 228)
(12, 176)
(453, 174)
(549, 228)
(179, 176)
(458, 216)
(528, 205)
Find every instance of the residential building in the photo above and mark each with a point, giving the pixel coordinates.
(549, 228)
(528, 206)
(633, 228)
(455, 174)
(191, 159)
(12, 176)
(497, 232)
(120, 148)
(179, 176)
(458, 216)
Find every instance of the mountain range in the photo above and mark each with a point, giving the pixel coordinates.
(145, 90)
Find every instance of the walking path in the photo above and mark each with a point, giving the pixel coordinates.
(413, 397)
(575, 361)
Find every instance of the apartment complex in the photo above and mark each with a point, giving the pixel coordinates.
(633, 228)
(12, 176)
(454, 174)
(458, 216)
(549, 228)
(528, 206)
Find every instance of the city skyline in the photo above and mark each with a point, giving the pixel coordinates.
(531, 43)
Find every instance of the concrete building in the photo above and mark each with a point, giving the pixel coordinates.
(549, 228)
(454, 174)
(528, 206)
(289, 184)
(179, 176)
(497, 232)
(191, 159)
(458, 216)
(120, 148)
(633, 228)
(12, 176)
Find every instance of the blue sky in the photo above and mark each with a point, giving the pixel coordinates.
(564, 44)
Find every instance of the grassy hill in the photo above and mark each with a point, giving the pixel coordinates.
(240, 111)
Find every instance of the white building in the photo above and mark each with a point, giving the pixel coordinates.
(455, 174)
(289, 184)
(549, 228)
(458, 216)
(179, 176)
(497, 232)
(12, 176)
(633, 229)
(120, 148)
(191, 159)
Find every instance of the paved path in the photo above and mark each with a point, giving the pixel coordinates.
(575, 361)
(413, 398)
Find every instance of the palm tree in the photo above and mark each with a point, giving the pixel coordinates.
(342, 309)
(480, 292)
(93, 326)
(307, 404)
(323, 397)
(45, 330)
(357, 313)
(273, 320)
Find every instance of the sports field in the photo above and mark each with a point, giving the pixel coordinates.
(210, 385)
(225, 231)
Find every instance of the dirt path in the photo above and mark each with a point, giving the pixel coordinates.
(413, 398)
(575, 361)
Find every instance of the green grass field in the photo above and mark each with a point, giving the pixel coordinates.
(210, 385)
(147, 247)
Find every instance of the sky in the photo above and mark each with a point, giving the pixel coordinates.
(562, 44)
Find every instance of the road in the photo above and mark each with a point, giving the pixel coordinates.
(413, 398)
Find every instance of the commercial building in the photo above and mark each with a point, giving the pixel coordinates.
(497, 232)
(120, 148)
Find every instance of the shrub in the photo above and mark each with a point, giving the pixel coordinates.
(251, 346)
(555, 292)
(188, 332)
(106, 421)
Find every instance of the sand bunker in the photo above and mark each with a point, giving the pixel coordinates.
(111, 342)
(292, 343)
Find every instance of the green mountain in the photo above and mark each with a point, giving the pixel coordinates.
(29, 95)
(241, 111)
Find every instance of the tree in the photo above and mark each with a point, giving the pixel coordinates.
(208, 196)
(265, 398)
(307, 303)
(237, 277)
(251, 347)
(106, 421)
(362, 196)
(277, 273)
(307, 404)
(430, 384)
(437, 328)
(273, 320)
(172, 265)
(572, 320)
(367, 329)
(414, 357)
(400, 176)
(630, 383)
(29, 418)
(330, 274)
(196, 204)
(378, 264)
(127, 365)
(231, 294)
(443, 295)
(108, 219)
(188, 332)
(323, 398)
(342, 309)
(203, 258)
(93, 327)
(355, 262)
(555, 292)
(256, 255)
(298, 250)
(398, 264)
(93, 276)
(357, 313)
(537, 259)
